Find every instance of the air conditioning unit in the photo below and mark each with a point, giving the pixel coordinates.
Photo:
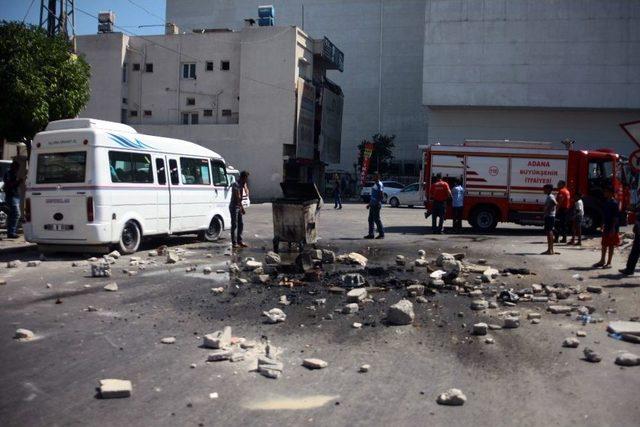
(107, 17)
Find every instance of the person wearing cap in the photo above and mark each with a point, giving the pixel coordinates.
(439, 193)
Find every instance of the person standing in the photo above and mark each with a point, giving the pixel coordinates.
(578, 218)
(337, 192)
(610, 237)
(632, 261)
(12, 198)
(374, 206)
(562, 215)
(439, 193)
(550, 204)
(237, 210)
(457, 203)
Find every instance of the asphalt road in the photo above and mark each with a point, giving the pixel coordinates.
(525, 378)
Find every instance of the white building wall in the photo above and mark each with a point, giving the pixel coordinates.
(382, 41)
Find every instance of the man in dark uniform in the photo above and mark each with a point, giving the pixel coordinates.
(237, 210)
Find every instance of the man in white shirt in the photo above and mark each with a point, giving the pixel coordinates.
(457, 203)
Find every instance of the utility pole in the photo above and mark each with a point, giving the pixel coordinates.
(57, 17)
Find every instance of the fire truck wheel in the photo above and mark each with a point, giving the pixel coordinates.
(484, 219)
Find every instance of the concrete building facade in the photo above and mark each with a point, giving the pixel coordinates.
(449, 70)
(235, 92)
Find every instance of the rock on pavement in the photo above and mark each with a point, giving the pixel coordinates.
(452, 397)
(356, 295)
(275, 315)
(591, 355)
(112, 388)
(23, 334)
(314, 363)
(627, 359)
(111, 287)
(168, 340)
(571, 342)
(218, 339)
(480, 328)
(401, 313)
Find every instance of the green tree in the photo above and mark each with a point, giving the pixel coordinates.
(41, 80)
(382, 152)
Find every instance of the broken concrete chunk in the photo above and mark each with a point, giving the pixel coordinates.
(489, 274)
(218, 340)
(233, 268)
(401, 313)
(627, 359)
(356, 258)
(444, 257)
(33, 263)
(624, 327)
(284, 300)
(356, 325)
(314, 363)
(353, 280)
(437, 275)
(237, 356)
(594, 289)
(272, 258)
(415, 290)
(275, 315)
(328, 257)
(219, 355)
(511, 322)
(112, 388)
(168, 340)
(452, 397)
(320, 301)
(207, 270)
(350, 308)
(536, 288)
(111, 287)
(534, 315)
(114, 254)
(401, 260)
(356, 295)
(591, 355)
(480, 328)
(100, 270)
(571, 342)
(581, 334)
(217, 290)
(172, 257)
(23, 335)
(479, 304)
(14, 264)
(261, 279)
(420, 262)
(364, 368)
(559, 309)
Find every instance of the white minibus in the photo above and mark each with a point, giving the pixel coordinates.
(93, 183)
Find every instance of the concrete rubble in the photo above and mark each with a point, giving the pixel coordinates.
(23, 335)
(511, 322)
(272, 258)
(269, 367)
(275, 315)
(480, 329)
(100, 270)
(218, 340)
(350, 308)
(168, 340)
(401, 313)
(353, 280)
(172, 257)
(571, 342)
(314, 363)
(114, 388)
(624, 327)
(34, 263)
(591, 355)
(111, 287)
(356, 295)
(353, 258)
(364, 368)
(627, 359)
(14, 264)
(452, 397)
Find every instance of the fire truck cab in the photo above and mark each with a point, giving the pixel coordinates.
(503, 180)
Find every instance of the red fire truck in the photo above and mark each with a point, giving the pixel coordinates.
(503, 180)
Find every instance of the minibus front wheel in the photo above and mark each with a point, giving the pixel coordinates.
(130, 238)
(212, 233)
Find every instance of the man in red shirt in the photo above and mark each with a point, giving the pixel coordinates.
(564, 204)
(439, 193)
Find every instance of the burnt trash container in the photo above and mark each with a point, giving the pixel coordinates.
(295, 216)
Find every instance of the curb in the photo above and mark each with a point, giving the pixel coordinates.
(18, 249)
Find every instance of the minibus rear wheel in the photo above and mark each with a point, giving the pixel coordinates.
(130, 238)
(212, 233)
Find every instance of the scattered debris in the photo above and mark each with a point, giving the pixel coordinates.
(479, 304)
(217, 290)
(353, 280)
(571, 342)
(272, 258)
(213, 395)
(251, 265)
(364, 368)
(533, 315)
(269, 367)
(480, 328)
(314, 363)
(14, 264)
(283, 300)
(559, 309)
(112, 388)
(508, 296)
(111, 287)
(172, 257)
(100, 270)
(207, 270)
(33, 263)
(401, 313)
(401, 260)
(627, 359)
(356, 325)
(23, 335)
(353, 258)
(581, 334)
(452, 397)
(168, 340)
(328, 257)
(219, 355)
(218, 340)
(114, 254)
(624, 327)
(591, 355)
(356, 295)
(350, 308)
(511, 322)
(594, 289)
(275, 315)
(489, 340)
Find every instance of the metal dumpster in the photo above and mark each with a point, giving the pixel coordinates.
(295, 216)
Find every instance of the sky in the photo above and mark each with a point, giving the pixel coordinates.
(130, 14)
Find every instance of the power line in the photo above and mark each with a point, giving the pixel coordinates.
(148, 11)
(28, 10)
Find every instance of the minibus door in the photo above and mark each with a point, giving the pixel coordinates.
(175, 220)
(163, 197)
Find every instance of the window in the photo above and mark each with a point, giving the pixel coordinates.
(136, 67)
(125, 100)
(148, 67)
(147, 113)
(173, 167)
(191, 101)
(160, 172)
(130, 167)
(412, 187)
(224, 65)
(133, 113)
(57, 168)
(189, 71)
(207, 113)
(209, 65)
(189, 118)
(219, 172)
(195, 171)
(124, 72)
(226, 112)
(123, 115)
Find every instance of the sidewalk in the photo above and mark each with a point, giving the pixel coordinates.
(9, 246)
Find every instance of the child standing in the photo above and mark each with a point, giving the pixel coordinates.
(578, 217)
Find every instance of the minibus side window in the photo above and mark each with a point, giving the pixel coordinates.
(219, 172)
(130, 167)
(195, 171)
(162, 174)
(173, 168)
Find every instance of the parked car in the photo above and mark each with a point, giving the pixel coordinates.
(411, 195)
(390, 188)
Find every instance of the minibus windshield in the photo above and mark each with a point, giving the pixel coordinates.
(55, 168)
